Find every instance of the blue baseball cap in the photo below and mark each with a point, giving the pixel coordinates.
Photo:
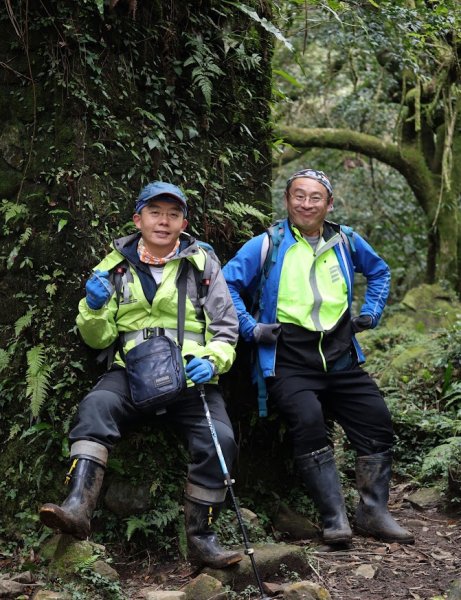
(160, 190)
(313, 174)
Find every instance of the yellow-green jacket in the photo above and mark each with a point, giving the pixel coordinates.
(211, 324)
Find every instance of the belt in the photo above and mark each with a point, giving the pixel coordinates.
(141, 335)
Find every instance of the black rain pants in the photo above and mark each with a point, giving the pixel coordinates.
(350, 397)
(107, 410)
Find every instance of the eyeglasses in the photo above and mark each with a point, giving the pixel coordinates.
(300, 198)
(170, 215)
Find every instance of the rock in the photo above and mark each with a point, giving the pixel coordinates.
(162, 595)
(366, 571)
(251, 520)
(431, 306)
(425, 498)
(13, 585)
(296, 526)
(124, 499)
(66, 554)
(454, 593)
(204, 587)
(105, 570)
(273, 588)
(305, 590)
(49, 595)
(268, 558)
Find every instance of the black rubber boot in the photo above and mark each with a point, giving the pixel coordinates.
(74, 515)
(372, 517)
(319, 474)
(203, 543)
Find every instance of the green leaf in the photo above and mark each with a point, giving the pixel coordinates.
(51, 289)
(265, 24)
(100, 6)
(288, 77)
(62, 223)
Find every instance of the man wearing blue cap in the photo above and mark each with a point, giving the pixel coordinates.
(300, 277)
(149, 264)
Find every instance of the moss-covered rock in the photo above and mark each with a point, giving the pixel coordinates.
(428, 307)
(66, 554)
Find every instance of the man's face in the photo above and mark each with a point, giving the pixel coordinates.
(160, 224)
(307, 205)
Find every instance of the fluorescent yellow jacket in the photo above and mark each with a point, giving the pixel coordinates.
(211, 325)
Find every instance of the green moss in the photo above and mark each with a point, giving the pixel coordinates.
(66, 554)
(10, 181)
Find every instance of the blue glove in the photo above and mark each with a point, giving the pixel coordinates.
(200, 370)
(98, 289)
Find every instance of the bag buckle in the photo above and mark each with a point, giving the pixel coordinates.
(149, 332)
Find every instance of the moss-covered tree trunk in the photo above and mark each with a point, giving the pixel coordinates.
(95, 102)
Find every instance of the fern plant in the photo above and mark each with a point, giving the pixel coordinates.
(37, 378)
(24, 322)
(205, 69)
(4, 359)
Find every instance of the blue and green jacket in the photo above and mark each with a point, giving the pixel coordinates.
(243, 274)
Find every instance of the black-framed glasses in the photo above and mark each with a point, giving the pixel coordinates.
(300, 198)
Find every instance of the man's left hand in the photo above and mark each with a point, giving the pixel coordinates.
(361, 323)
(200, 370)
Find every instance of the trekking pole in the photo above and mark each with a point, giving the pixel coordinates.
(229, 481)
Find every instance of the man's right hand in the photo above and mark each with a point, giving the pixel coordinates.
(98, 289)
(266, 333)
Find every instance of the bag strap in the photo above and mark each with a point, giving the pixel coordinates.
(182, 289)
(116, 278)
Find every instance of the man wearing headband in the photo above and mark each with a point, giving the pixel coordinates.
(308, 358)
(146, 305)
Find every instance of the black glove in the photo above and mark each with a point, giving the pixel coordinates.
(266, 333)
(361, 323)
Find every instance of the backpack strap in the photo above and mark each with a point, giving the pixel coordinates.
(347, 235)
(203, 278)
(269, 254)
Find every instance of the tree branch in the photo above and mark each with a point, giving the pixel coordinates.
(406, 159)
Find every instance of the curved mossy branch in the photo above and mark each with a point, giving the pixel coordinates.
(406, 158)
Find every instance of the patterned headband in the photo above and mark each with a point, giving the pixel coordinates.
(313, 174)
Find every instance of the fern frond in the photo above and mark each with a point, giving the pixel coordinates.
(240, 209)
(37, 378)
(25, 237)
(206, 88)
(86, 563)
(4, 359)
(24, 321)
(135, 524)
(13, 211)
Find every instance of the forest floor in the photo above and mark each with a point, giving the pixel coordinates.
(369, 570)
